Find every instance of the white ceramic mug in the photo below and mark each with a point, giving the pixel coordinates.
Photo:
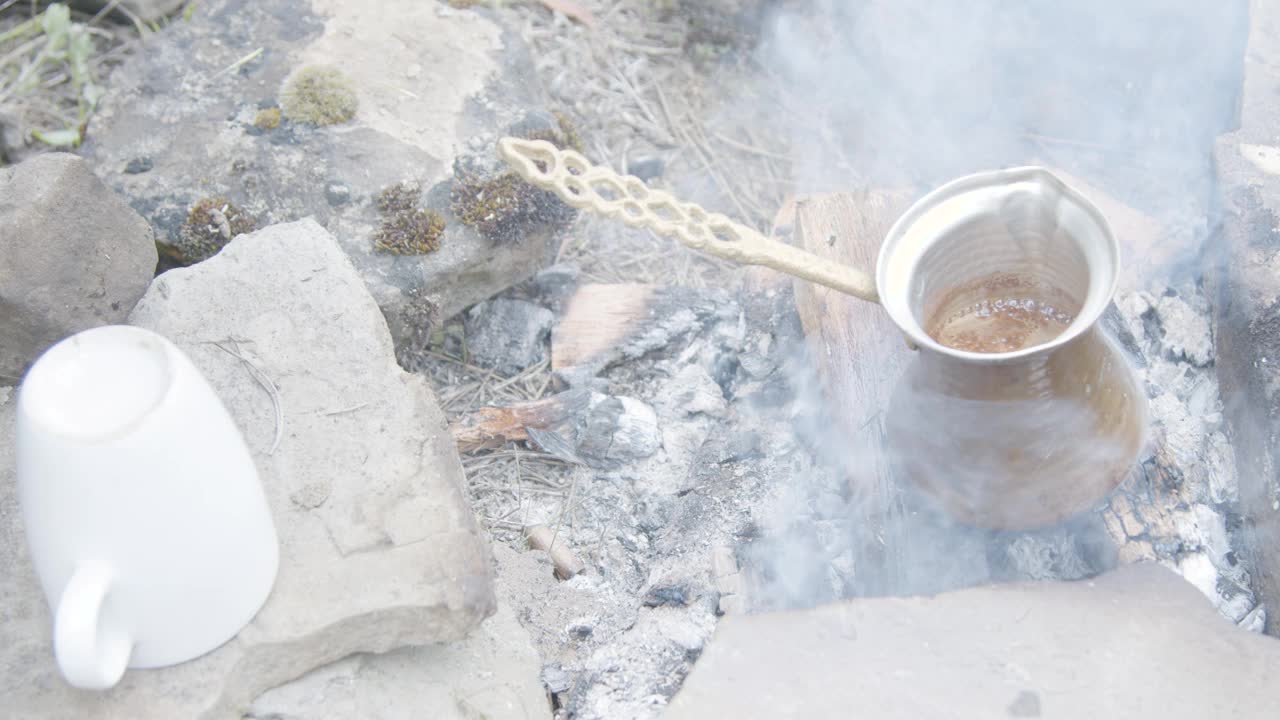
(145, 517)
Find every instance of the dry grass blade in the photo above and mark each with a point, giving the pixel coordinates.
(265, 382)
(571, 10)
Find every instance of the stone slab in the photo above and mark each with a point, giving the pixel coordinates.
(1137, 642)
(1246, 281)
(493, 673)
(379, 549)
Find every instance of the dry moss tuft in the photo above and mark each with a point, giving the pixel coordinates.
(319, 95)
(564, 135)
(501, 207)
(267, 119)
(211, 224)
(407, 228)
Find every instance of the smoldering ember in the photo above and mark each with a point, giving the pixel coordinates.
(633, 359)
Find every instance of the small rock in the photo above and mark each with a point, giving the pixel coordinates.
(618, 430)
(556, 284)
(667, 595)
(74, 256)
(742, 446)
(555, 678)
(337, 193)
(1026, 705)
(138, 165)
(1133, 308)
(723, 561)
(508, 335)
(646, 168)
(1186, 332)
(580, 629)
(693, 391)
(758, 367)
(1184, 435)
(1255, 621)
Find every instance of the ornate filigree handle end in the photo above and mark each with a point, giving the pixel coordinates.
(626, 198)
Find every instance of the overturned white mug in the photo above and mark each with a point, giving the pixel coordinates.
(145, 517)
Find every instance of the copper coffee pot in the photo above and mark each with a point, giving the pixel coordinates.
(1018, 438)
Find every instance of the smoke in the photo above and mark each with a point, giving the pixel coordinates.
(913, 93)
(916, 92)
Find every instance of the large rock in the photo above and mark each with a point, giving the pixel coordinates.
(491, 674)
(146, 10)
(73, 255)
(194, 124)
(379, 549)
(1139, 642)
(1247, 307)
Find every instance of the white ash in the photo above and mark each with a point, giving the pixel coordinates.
(1180, 509)
(653, 526)
(1186, 330)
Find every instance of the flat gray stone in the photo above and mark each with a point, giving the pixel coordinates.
(493, 673)
(508, 335)
(1247, 303)
(379, 549)
(1138, 642)
(73, 255)
(184, 123)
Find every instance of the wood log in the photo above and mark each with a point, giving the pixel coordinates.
(606, 323)
(859, 355)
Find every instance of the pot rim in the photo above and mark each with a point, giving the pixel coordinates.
(911, 235)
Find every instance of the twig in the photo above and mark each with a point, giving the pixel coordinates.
(748, 148)
(457, 361)
(257, 374)
(540, 537)
(240, 63)
(353, 408)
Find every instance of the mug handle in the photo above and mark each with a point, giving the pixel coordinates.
(91, 656)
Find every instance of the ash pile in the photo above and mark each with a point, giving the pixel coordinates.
(634, 484)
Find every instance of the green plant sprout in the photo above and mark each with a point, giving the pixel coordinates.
(67, 47)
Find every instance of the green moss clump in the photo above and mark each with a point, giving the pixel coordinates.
(319, 95)
(267, 119)
(407, 228)
(211, 224)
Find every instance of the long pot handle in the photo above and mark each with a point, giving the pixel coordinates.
(585, 186)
